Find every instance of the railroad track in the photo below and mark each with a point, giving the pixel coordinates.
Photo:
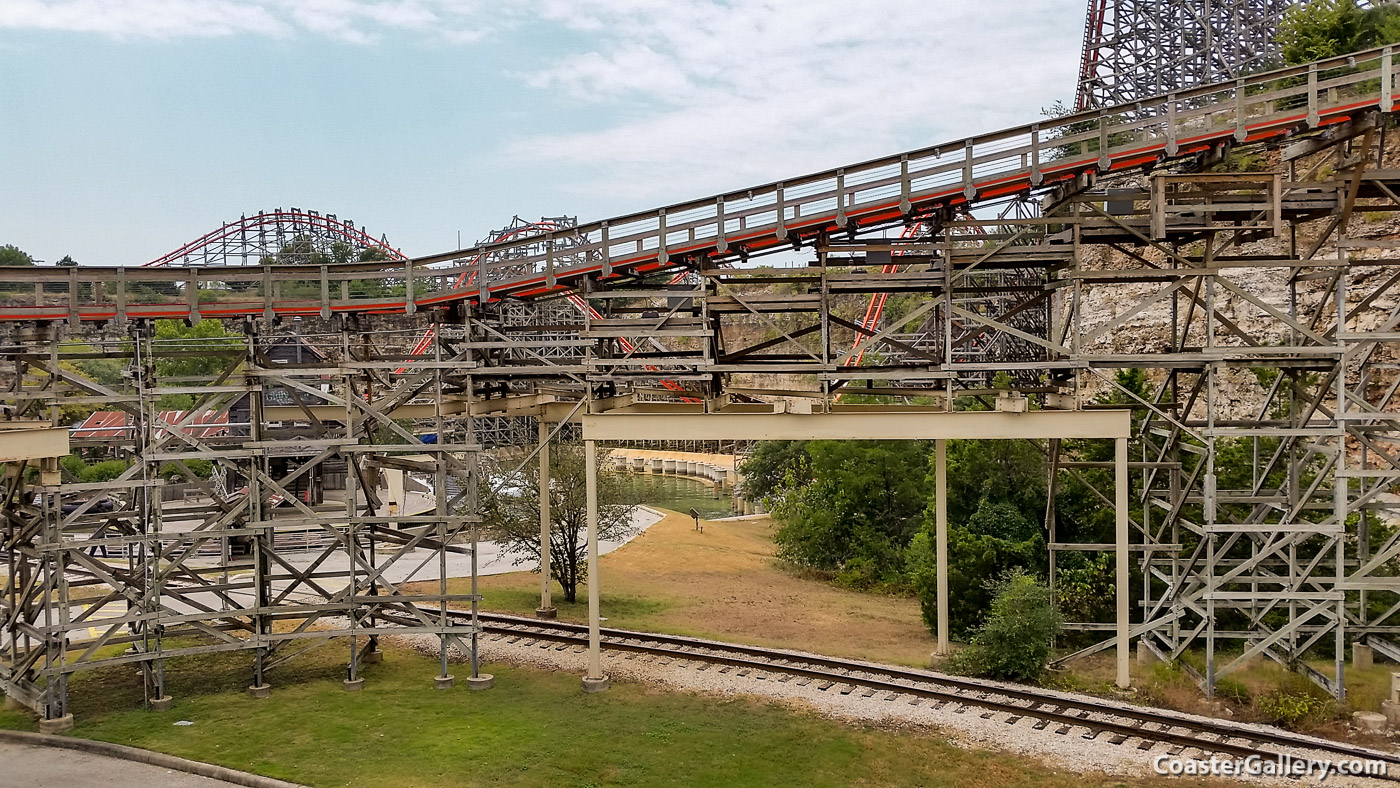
(1087, 718)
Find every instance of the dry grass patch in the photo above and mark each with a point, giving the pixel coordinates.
(724, 584)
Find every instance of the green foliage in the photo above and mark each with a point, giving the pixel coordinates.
(201, 468)
(199, 351)
(1084, 586)
(1232, 690)
(87, 473)
(774, 465)
(1292, 709)
(1015, 641)
(862, 505)
(972, 558)
(12, 256)
(1328, 28)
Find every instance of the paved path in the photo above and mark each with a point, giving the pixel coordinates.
(28, 766)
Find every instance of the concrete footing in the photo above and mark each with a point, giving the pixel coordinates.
(481, 681)
(260, 691)
(352, 685)
(546, 613)
(56, 725)
(1368, 721)
(162, 703)
(372, 658)
(444, 682)
(1362, 657)
(1144, 654)
(1391, 710)
(599, 684)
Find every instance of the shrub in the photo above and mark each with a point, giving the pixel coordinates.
(1290, 709)
(1014, 642)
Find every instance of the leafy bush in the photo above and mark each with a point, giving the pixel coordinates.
(1014, 642)
(1291, 709)
(855, 510)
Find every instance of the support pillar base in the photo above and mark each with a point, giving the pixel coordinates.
(1144, 654)
(1362, 658)
(352, 685)
(546, 613)
(260, 691)
(481, 681)
(162, 703)
(56, 725)
(599, 684)
(372, 658)
(444, 682)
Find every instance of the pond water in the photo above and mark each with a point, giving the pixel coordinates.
(679, 494)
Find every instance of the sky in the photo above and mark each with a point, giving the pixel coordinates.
(129, 127)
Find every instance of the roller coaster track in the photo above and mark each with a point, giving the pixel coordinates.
(282, 222)
(729, 227)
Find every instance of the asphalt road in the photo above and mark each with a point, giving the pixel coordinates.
(27, 766)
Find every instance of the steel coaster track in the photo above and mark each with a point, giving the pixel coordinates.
(1149, 726)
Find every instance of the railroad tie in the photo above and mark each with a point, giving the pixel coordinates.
(1013, 719)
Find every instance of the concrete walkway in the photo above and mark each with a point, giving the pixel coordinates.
(28, 766)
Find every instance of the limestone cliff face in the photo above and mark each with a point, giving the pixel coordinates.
(1239, 393)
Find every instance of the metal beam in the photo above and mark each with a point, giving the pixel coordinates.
(876, 425)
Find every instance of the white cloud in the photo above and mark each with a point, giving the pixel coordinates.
(714, 95)
(353, 21)
(142, 18)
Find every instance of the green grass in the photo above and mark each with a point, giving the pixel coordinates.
(622, 610)
(534, 728)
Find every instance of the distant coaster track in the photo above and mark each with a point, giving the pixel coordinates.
(264, 233)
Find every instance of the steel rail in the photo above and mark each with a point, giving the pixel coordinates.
(951, 689)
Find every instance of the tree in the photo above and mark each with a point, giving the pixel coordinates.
(191, 353)
(856, 510)
(511, 512)
(1328, 28)
(1015, 641)
(774, 465)
(67, 262)
(972, 558)
(13, 256)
